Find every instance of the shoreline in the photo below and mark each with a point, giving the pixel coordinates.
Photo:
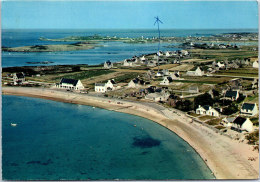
(226, 158)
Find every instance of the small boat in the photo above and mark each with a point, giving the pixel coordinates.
(13, 124)
(93, 107)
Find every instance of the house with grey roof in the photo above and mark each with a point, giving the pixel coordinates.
(249, 109)
(228, 121)
(70, 84)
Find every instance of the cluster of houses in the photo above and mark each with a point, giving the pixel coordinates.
(152, 60)
(240, 123)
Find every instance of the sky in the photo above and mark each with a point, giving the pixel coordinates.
(128, 14)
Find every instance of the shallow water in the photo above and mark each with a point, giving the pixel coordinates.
(54, 140)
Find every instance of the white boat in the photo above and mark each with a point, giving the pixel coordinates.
(13, 124)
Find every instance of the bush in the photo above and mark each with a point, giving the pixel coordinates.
(230, 109)
(253, 137)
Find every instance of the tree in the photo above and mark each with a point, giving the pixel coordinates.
(184, 105)
(230, 109)
(202, 100)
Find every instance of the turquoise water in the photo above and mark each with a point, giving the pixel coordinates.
(54, 141)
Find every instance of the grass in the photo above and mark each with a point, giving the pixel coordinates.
(253, 137)
(255, 121)
(127, 77)
(204, 118)
(84, 74)
(252, 99)
(240, 72)
(214, 121)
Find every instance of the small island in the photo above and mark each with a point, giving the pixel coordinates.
(52, 48)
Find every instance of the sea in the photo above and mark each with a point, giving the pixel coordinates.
(113, 51)
(62, 141)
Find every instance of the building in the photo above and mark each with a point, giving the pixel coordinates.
(136, 83)
(197, 72)
(100, 87)
(249, 109)
(104, 87)
(175, 75)
(207, 110)
(193, 89)
(231, 95)
(129, 62)
(70, 84)
(242, 124)
(255, 64)
(18, 78)
(227, 122)
(158, 96)
(108, 64)
(166, 80)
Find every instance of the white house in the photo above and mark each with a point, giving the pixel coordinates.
(242, 124)
(220, 65)
(162, 96)
(175, 75)
(18, 78)
(255, 64)
(135, 83)
(249, 109)
(197, 72)
(70, 84)
(184, 52)
(166, 80)
(103, 87)
(207, 110)
(168, 54)
(129, 62)
(108, 65)
(227, 122)
(231, 95)
(100, 87)
(160, 53)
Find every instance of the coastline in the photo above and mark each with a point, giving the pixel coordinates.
(227, 159)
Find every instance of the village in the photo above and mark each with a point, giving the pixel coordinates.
(218, 88)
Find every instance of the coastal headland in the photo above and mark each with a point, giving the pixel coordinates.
(227, 159)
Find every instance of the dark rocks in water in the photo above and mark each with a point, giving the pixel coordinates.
(14, 164)
(49, 161)
(145, 142)
(144, 153)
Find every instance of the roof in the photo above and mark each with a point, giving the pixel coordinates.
(100, 84)
(69, 81)
(108, 62)
(231, 94)
(248, 106)
(206, 107)
(239, 120)
(20, 75)
(230, 120)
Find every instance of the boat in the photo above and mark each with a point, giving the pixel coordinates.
(13, 124)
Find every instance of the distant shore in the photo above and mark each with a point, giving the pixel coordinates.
(227, 159)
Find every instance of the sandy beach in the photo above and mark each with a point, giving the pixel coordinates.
(227, 158)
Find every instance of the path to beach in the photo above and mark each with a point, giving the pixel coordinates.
(227, 158)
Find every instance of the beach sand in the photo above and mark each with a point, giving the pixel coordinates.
(227, 158)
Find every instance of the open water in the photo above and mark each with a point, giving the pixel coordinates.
(54, 140)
